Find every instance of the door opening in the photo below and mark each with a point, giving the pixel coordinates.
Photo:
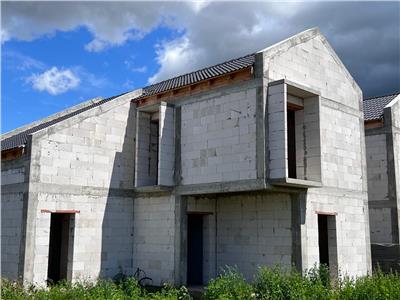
(195, 249)
(291, 143)
(327, 241)
(58, 247)
(323, 240)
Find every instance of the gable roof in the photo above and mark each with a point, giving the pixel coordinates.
(20, 138)
(374, 106)
(226, 67)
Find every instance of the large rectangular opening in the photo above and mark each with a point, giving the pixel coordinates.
(59, 247)
(195, 249)
(323, 240)
(291, 136)
(155, 146)
(154, 149)
(147, 148)
(327, 242)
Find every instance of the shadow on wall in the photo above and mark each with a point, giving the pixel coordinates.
(117, 226)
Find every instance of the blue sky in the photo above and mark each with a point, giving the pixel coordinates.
(106, 73)
(57, 54)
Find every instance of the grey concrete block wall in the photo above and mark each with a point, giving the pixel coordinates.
(218, 137)
(85, 153)
(102, 234)
(154, 236)
(11, 233)
(378, 188)
(14, 194)
(383, 162)
(247, 231)
(85, 164)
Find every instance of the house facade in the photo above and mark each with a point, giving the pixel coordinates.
(382, 137)
(255, 161)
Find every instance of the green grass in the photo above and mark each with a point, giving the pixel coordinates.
(269, 283)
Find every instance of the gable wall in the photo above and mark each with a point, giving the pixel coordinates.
(309, 63)
(85, 164)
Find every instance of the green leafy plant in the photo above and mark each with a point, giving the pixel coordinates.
(229, 285)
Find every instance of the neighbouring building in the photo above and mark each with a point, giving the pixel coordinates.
(382, 137)
(259, 160)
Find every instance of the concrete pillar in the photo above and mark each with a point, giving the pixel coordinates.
(180, 240)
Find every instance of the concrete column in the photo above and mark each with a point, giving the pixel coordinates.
(299, 249)
(180, 240)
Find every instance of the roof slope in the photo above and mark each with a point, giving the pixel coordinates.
(21, 138)
(200, 75)
(373, 107)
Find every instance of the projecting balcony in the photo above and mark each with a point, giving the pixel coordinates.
(294, 135)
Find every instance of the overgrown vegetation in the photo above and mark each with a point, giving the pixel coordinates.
(269, 283)
(280, 284)
(102, 289)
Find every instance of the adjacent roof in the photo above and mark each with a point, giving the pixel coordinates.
(200, 75)
(373, 107)
(21, 138)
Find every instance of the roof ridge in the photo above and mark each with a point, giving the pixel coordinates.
(381, 96)
(202, 69)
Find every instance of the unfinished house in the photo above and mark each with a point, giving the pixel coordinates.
(256, 161)
(382, 137)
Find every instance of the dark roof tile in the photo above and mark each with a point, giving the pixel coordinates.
(21, 138)
(373, 107)
(197, 76)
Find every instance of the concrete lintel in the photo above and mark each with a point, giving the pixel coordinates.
(61, 189)
(326, 102)
(250, 185)
(377, 131)
(293, 182)
(219, 91)
(222, 187)
(154, 189)
(149, 108)
(296, 89)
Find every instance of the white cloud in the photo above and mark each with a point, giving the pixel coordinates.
(175, 57)
(54, 81)
(111, 23)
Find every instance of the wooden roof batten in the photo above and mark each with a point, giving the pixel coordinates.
(197, 87)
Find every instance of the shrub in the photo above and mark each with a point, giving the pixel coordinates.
(277, 283)
(229, 285)
(376, 286)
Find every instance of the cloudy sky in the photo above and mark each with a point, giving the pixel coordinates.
(57, 54)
